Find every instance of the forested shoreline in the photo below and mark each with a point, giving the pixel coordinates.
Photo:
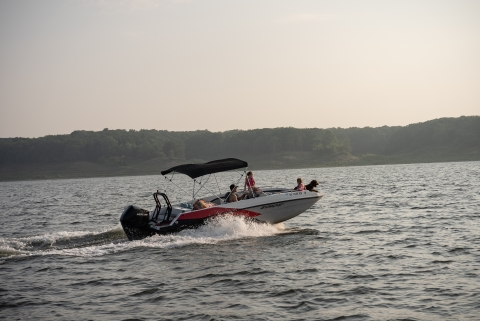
(435, 140)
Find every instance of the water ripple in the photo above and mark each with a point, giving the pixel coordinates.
(385, 243)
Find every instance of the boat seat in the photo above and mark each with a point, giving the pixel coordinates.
(218, 201)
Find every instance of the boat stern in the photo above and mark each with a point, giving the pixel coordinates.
(134, 222)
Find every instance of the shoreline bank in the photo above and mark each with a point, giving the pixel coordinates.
(27, 172)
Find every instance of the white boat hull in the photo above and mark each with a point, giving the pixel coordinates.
(278, 205)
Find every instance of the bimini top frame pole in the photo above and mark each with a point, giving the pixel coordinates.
(171, 181)
(199, 170)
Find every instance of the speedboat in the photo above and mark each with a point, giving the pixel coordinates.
(272, 205)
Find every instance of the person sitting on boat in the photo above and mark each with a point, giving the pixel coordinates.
(250, 186)
(233, 194)
(300, 186)
(311, 187)
(201, 204)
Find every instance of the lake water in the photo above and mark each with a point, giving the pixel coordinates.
(397, 242)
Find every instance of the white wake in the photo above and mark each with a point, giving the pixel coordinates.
(105, 242)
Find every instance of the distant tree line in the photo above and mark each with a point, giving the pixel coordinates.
(462, 133)
(121, 147)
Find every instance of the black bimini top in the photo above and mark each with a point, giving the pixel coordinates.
(216, 166)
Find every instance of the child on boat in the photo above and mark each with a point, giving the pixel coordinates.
(300, 186)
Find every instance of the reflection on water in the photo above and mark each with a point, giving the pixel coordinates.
(385, 242)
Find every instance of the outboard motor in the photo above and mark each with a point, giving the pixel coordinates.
(134, 221)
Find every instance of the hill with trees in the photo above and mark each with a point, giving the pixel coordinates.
(122, 152)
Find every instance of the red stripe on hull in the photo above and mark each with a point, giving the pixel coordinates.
(212, 211)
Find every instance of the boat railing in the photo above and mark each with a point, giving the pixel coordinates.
(158, 207)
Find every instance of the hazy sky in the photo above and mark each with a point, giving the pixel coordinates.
(220, 65)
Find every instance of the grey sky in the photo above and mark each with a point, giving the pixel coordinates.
(220, 65)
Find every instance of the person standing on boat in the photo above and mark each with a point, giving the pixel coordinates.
(300, 186)
(250, 185)
(233, 194)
